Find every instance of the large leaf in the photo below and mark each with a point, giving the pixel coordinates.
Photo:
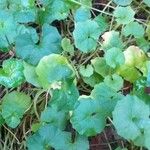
(14, 106)
(52, 69)
(65, 97)
(86, 35)
(11, 75)
(88, 118)
(131, 119)
(49, 136)
(48, 42)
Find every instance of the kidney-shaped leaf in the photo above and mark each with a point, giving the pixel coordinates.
(124, 15)
(49, 136)
(53, 68)
(128, 115)
(86, 35)
(88, 118)
(14, 106)
(11, 75)
(27, 47)
(54, 116)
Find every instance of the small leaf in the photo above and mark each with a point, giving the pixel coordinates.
(55, 117)
(11, 75)
(86, 71)
(53, 68)
(94, 79)
(101, 21)
(67, 46)
(124, 15)
(114, 57)
(30, 74)
(86, 35)
(112, 39)
(100, 66)
(19, 103)
(135, 29)
(114, 81)
(82, 14)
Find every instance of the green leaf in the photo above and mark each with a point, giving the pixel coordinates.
(139, 89)
(129, 73)
(55, 117)
(11, 75)
(67, 46)
(82, 14)
(94, 79)
(52, 69)
(114, 81)
(135, 29)
(49, 136)
(30, 74)
(107, 97)
(51, 11)
(65, 97)
(148, 31)
(14, 106)
(147, 2)
(134, 57)
(86, 71)
(88, 118)
(101, 21)
(128, 116)
(123, 2)
(143, 44)
(111, 39)
(114, 57)
(124, 15)
(7, 30)
(86, 35)
(48, 42)
(100, 66)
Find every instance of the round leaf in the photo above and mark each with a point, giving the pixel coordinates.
(11, 75)
(86, 35)
(53, 68)
(124, 15)
(87, 118)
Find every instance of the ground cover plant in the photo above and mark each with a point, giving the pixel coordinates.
(74, 75)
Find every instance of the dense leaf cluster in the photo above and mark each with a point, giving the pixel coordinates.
(45, 57)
